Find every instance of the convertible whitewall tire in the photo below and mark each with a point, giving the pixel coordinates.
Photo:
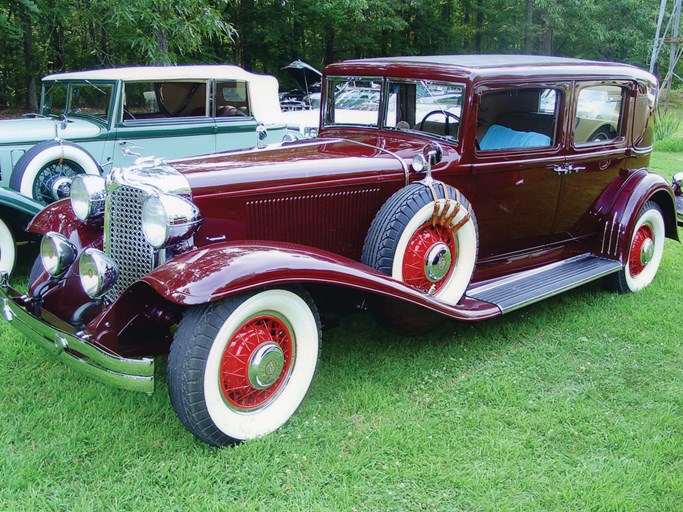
(239, 368)
(62, 158)
(8, 250)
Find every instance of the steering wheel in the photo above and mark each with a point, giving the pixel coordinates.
(445, 113)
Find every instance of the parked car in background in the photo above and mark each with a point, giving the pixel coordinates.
(92, 121)
(442, 186)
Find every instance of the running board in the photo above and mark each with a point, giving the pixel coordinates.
(525, 288)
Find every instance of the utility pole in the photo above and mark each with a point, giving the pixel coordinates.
(668, 36)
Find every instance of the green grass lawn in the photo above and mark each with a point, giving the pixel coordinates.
(572, 404)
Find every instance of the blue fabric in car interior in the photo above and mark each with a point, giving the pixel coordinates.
(501, 137)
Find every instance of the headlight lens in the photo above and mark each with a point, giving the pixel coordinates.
(56, 253)
(168, 220)
(87, 195)
(97, 271)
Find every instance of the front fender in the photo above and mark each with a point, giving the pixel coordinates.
(638, 189)
(14, 200)
(221, 270)
(59, 217)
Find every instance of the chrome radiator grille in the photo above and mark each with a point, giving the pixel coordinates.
(124, 241)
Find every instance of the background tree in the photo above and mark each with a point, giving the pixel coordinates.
(38, 37)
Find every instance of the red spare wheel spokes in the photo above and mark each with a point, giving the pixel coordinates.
(642, 250)
(430, 257)
(256, 362)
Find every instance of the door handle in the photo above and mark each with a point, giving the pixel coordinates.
(568, 168)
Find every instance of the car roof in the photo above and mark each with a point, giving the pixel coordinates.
(475, 67)
(264, 102)
(158, 73)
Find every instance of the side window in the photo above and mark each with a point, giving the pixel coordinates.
(232, 99)
(518, 118)
(158, 100)
(598, 114)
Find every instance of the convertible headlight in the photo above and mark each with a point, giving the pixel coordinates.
(87, 195)
(168, 220)
(97, 271)
(56, 253)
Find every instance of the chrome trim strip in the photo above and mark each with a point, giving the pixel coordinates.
(96, 362)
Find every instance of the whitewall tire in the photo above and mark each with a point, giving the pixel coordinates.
(646, 248)
(239, 368)
(37, 170)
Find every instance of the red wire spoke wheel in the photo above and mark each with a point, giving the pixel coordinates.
(429, 258)
(240, 367)
(256, 362)
(644, 252)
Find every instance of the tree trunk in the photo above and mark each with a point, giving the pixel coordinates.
(479, 28)
(31, 95)
(528, 21)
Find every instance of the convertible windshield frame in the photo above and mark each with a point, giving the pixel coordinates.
(70, 104)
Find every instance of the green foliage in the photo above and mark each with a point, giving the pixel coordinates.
(666, 125)
(43, 36)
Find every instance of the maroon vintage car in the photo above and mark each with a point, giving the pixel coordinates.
(446, 186)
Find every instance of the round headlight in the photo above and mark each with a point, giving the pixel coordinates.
(87, 195)
(56, 253)
(97, 271)
(168, 220)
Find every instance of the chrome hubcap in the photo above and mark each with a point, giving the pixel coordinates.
(647, 251)
(437, 262)
(265, 365)
(61, 188)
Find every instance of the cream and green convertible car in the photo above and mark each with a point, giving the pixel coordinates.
(93, 121)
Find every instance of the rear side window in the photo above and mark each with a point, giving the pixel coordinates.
(232, 99)
(518, 118)
(598, 114)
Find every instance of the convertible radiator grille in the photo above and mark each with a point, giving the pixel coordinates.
(124, 241)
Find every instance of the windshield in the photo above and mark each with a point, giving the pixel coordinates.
(54, 99)
(90, 100)
(429, 107)
(84, 99)
(353, 101)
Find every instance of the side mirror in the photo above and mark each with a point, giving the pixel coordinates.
(422, 162)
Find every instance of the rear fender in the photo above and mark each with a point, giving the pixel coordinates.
(221, 270)
(618, 225)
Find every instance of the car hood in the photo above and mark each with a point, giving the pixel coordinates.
(38, 129)
(286, 164)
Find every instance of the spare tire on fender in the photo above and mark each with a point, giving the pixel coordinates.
(37, 171)
(425, 236)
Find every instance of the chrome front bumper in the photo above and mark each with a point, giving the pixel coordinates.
(74, 350)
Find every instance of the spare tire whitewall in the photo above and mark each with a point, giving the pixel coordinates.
(426, 238)
(35, 172)
(239, 368)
